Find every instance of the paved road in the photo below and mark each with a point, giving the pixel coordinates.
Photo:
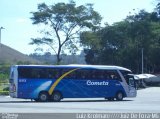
(147, 101)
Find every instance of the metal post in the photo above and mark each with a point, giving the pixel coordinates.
(142, 61)
(0, 33)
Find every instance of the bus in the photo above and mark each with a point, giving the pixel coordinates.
(55, 82)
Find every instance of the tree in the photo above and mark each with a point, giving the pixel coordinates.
(121, 43)
(63, 24)
(105, 44)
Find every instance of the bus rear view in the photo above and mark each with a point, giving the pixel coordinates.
(13, 80)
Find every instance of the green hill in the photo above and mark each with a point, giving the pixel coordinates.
(11, 56)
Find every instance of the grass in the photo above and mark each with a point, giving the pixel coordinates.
(3, 85)
(4, 89)
(4, 92)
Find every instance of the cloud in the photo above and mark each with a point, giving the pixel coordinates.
(21, 20)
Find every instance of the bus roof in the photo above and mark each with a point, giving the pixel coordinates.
(78, 66)
(100, 67)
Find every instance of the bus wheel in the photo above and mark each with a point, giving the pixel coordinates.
(56, 96)
(43, 97)
(119, 96)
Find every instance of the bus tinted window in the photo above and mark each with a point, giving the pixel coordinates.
(62, 71)
(54, 73)
(38, 73)
(81, 74)
(24, 72)
(105, 74)
(97, 74)
(113, 74)
(72, 75)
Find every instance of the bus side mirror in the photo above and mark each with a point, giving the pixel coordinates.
(131, 82)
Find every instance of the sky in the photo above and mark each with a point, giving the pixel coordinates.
(15, 17)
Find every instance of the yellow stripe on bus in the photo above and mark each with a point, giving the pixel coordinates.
(59, 79)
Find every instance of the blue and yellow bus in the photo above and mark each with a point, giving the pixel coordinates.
(53, 83)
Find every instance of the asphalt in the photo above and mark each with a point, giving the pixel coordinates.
(147, 101)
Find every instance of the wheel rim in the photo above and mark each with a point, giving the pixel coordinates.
(43, 97)
(56, 96)
(119, 96)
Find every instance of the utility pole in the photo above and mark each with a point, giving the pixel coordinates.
(142, 61)
(0, 33)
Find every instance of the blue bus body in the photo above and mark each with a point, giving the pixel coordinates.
(69, 83)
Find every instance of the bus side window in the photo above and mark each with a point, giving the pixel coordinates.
(24, 73)
(70, 75)
(93, 74)
(43, 73)
(106, 75)
(53, 73)
(100, 74)
(62, 72)
(57, 73)
(88, 74)
(50, 73)
(35, 74)
(117, 76)
(78, 74)
(113, 74)
(82, 74)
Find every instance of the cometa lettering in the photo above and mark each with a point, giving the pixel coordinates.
(89, 82)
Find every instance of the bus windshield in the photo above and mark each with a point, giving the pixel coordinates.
(129, 77)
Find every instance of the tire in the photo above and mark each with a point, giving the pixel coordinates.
(37, 100)
(43, 97)
(56, 96)
(110, 99)
(119, 96)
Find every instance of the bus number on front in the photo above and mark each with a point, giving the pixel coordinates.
(22, 80)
